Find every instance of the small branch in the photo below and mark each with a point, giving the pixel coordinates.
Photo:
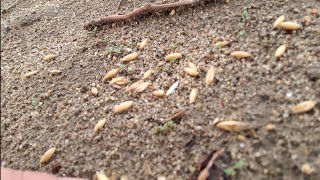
(147, 8)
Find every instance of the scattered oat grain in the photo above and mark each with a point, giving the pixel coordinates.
(122, 107)
(47, 155)
(158, 93)
(278, 21)
(280, 51)
(110, 74)
(191, 72)
(290, 26)
(143, 44)
(303, 107)
(147, 74)
(240, 54)
(142, 87)
(232, 125)
(100, 176)
(55, 72)
(193, 95)
(99, 125)
(119, 81)
(130, 57)
(29, 74)
(49, 57)
(134, 86)
(210, 75)
(173, 56)
(192, 66)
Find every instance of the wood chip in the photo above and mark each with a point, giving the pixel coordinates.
(193, 95)
(172, 88)
(119, 81)
(122, 107)
(290, 26)
(191, 72)
(173, 56)
(134, 86)
(94, 91)
(240, 54)
(278, 21)
(303, 107)
(99, 125)
(130, 57)
(280, 51)
(176, 117)
(147, 74)
(142, 87)
(55, 72)
(143, 44)
(158, 93)
(232, 125)
(49, 57)
(47, 155)
(210, 75)
(110, 74)
(29, 74)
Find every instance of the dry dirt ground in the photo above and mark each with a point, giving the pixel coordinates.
(58, 110)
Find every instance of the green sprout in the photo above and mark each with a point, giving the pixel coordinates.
(245, 15)
(231, 171)
(161, 129)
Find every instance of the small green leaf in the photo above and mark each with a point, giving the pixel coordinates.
(245, 15)
(242, 33)
(239, 164)
(230, 171)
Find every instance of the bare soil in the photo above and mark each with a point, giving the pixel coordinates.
(59, 110)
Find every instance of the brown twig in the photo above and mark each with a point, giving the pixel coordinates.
(147, 8)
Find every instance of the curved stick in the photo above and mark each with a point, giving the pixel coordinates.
(147, 8)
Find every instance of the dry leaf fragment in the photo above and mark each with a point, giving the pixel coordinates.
(278, 21)
(303, 107)
(191, 72)
(193, 95)
(100, 176)
(172, 88)
(30, 74)
(143, 44)
(290, 26)
(99, 125)
(147, 74)
(280, 50)
(142, 87)
(240, 54)
(47, 155)
(192, 66)
(173, 56)
(119, 81)
(232, 125)
(210, 75)
(158, 93)
(130, 57)
(134, 86)
(55, 71)
(49, 57)
(123, 106)
(110, 74)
